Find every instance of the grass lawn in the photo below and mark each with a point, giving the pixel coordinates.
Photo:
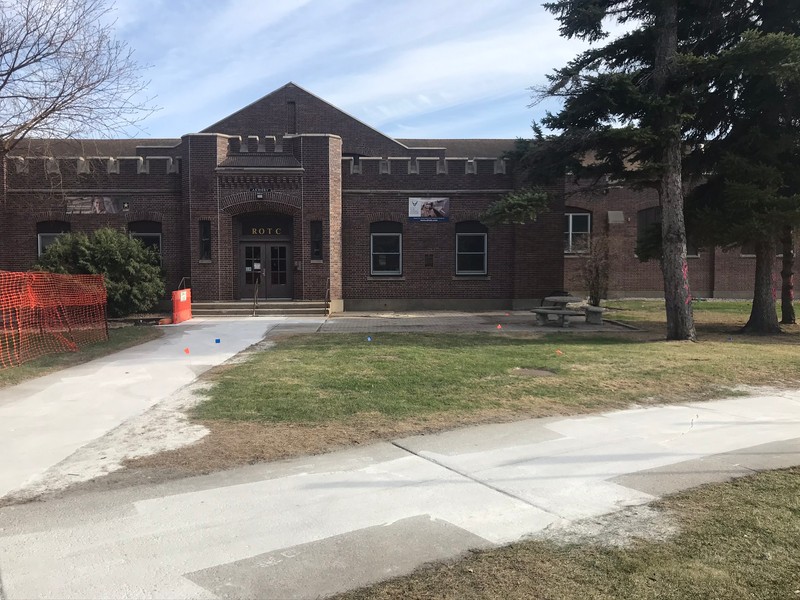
(118, 339)
(319, 378)
(736, 540)
(711, 316)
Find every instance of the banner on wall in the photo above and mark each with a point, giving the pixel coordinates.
(429, 210)
(95, 205)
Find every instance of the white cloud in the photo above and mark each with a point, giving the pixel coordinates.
(383, 62)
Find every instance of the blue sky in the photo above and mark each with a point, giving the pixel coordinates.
(409, 68)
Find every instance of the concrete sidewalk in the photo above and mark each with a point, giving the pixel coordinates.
(44, 420)
(315, 526)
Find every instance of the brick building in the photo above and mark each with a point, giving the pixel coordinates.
(291, 198)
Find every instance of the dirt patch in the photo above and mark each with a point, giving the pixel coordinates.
(618, 530)
(163, 427)
(233, 444)
(525, 372)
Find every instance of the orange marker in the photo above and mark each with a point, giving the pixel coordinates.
(559, 353)
(186, 350)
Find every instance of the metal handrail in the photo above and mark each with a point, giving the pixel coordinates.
(255, 292)
(184, 279)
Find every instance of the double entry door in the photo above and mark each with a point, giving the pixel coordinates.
(265, 270)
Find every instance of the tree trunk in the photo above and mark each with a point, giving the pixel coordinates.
(787, 276)
(677, 296)
(764, 316)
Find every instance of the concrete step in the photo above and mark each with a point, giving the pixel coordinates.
(260, 312)
(264, 308)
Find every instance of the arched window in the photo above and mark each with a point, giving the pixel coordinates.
(48, 231)
(148, 232)
(386, 248)
(471, 248)
(577, 230)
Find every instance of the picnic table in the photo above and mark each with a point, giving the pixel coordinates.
(556, 306)
(561, 301)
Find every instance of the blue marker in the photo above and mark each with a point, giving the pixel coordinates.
(369, 338)
(216, 341)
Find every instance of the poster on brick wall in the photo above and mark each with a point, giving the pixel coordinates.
(429, 210)
(95, 205)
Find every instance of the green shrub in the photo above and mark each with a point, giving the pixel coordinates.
(133, 276)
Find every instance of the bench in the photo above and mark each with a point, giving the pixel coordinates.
(543, 315)
(594, 314)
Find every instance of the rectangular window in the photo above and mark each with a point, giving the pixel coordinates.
(470, 254)
(150, 240)
(648, 229)
(577, 231)
(46, 240)
(205, 240)
(316, 240)
(387, 251)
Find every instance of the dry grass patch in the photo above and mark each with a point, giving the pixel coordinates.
(236, 443)
(736, 540)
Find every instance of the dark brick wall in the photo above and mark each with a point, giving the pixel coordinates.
(713, 273)
(521, 261)
(210, 279)
(320, 156)
(34, 195)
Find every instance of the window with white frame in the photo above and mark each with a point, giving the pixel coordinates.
(471, 248)
(386, 248)
(47, 232)
(577, 232)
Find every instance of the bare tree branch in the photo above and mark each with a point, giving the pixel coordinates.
(63, 74)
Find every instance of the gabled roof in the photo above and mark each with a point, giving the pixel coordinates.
(79, 147)
(269, 115)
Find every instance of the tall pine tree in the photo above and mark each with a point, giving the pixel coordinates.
(623, 115)
(748, 121)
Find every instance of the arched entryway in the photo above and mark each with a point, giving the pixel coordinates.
(264, 256)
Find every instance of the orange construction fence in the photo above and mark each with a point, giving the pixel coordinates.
(44, 313)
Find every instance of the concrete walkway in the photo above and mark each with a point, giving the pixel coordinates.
(44, 420)
(314, 526)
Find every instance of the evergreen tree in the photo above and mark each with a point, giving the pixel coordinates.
(746, 129)
(134, 280)
(716, 75)
(624, 111)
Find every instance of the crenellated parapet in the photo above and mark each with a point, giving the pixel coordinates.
(423, 165)
(255, 144)
(87, 165)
